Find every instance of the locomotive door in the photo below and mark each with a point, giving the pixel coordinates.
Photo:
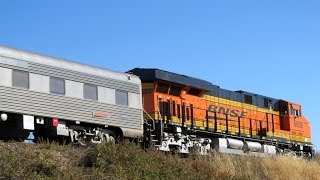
(261, 128)
(187, 114)
(284, 116)
(183, 113)
(164, 110)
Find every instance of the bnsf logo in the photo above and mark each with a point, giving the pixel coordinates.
(231, 112)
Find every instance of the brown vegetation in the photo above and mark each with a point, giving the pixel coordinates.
(128, 161)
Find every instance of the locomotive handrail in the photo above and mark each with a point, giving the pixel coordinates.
(159, 113)
(153, 123)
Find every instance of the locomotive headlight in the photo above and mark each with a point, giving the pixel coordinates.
(4, 117)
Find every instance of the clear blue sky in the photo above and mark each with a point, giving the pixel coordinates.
(266, 47)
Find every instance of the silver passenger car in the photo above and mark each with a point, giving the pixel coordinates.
(51, 96)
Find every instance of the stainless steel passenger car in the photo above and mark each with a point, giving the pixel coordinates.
(53, 97)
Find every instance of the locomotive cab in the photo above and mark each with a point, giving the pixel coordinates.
(292, 119)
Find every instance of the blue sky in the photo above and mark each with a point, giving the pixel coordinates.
(266, 47)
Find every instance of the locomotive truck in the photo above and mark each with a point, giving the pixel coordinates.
(46, 97)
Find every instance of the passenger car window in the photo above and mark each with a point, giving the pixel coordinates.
(90, 92)
(57, 86)
(20, 79)
(121, 97)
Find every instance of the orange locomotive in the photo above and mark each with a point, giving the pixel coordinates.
(183, 113)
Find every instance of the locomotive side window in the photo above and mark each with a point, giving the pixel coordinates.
(284, 110)
(295, 112)
(90, 92)
(20, 79)
(121, 97)
(162, 88)
(247, 99)
(175, 90)
(266, 102)
(194, 91)
(57, 86)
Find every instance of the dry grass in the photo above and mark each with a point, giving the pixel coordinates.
(251, 167)
(128, 161)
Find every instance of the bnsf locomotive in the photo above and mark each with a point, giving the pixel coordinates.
(45, 97)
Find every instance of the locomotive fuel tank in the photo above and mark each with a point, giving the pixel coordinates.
(252, 146)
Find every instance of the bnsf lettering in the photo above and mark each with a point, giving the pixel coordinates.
(231, 112)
